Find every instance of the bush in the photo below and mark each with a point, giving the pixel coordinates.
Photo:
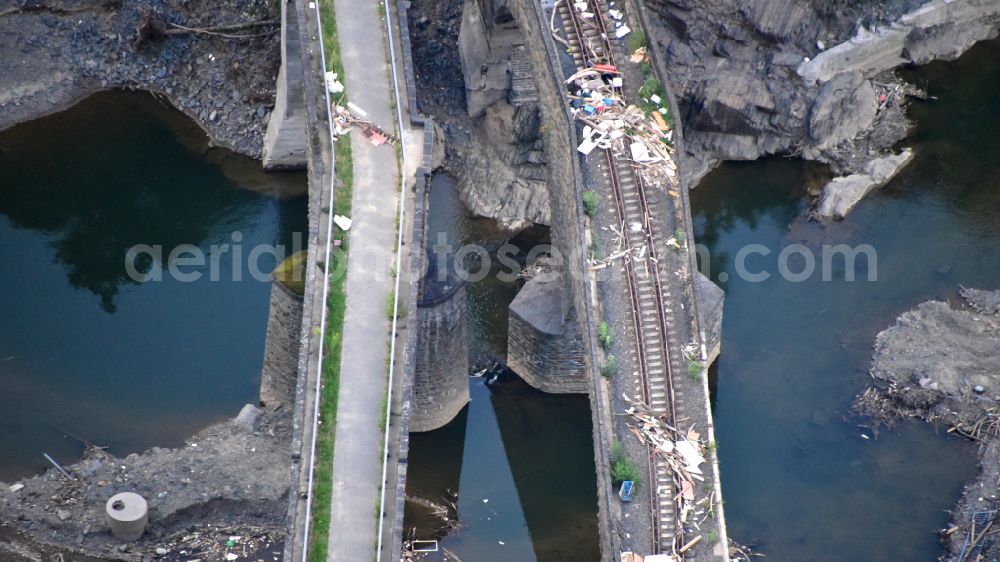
(694, 370)
(605, 336)
(622, 468)
(590, 202)
(610, 368)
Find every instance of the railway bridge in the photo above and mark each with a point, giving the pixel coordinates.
(668, 317)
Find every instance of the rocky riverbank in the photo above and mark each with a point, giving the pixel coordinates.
(53, 53)
(941, 363)
(810, 78)
(497, 157)
(228, 480)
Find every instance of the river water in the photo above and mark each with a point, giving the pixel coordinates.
(520, 461)
(85, 350)
(801, 478)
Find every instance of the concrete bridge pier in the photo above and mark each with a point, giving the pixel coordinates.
(285, 138)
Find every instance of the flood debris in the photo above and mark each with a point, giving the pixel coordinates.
(684, 453)
(939, 363)
(640, 135)
(349, 116)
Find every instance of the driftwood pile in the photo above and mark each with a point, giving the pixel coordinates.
(683, 453)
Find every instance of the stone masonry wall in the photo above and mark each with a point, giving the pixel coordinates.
(549, 362)
(285, 138)
(281, 350)
(441, 378)
(567, 221)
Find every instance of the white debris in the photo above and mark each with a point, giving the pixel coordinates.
(692, 458)
(639, 152)
(16, 488)
(655, 99)
(357, 109)
(343, 222)
(332, 84)
(622, 31)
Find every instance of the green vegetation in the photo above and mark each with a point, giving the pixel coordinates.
(610, 368)
(605, 336)
(636, 40)
(712, 537)
(596, 245)
(651, 86)
(596, 253)
(336, 306)
(390, 305)
(590, 203)
(679, 237)
(622, 468)
(712, 447)
(292, 272)
(694, 370)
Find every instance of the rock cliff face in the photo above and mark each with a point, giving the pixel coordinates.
(472, 77)
(801, 76)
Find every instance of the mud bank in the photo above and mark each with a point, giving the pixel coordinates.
(228, 480)
(940, 363)
(54, 53)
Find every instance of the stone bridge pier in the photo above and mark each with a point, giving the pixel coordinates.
(285, 139)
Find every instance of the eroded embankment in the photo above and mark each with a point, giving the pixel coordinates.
(54, 53)
(940, 363)
(228, 480)
(231, 478)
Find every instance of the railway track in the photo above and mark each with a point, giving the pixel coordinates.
(652, 315)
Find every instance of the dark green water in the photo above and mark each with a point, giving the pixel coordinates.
(520, 461)
(799, 480)
(83, 348)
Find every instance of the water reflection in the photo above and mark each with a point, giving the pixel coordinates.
(520, 461)
(799, 478)
(82, 346)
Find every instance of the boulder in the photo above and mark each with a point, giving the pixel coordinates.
(844, 107)
(842, 194)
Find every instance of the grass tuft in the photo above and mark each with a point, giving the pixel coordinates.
(590, 203)
(605, 336)
(636, 40)
(610, 369)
